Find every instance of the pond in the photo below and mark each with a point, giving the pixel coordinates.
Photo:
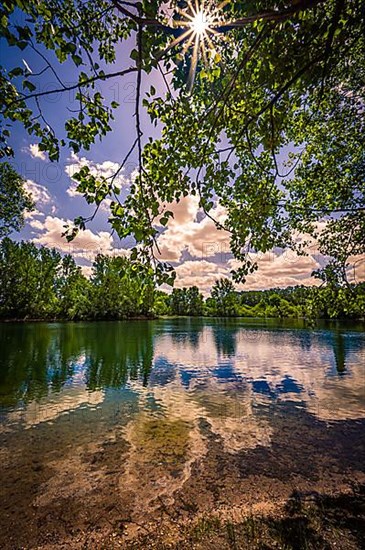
(111, 430)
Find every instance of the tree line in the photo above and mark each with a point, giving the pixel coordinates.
(324, 302)
(40, 283)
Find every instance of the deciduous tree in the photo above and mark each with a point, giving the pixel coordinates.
(14, 200)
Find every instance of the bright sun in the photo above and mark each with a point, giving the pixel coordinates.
(200, 23)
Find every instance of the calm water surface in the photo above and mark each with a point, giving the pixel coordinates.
(220, 370)
(208, 400)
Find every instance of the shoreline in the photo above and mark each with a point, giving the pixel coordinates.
(308, 322)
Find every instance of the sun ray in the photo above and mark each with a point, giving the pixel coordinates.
(205, 59)
(213, 31)
(211, 45)
(180, 38)
(188, 44)
(192, 9)
(194, 64)
(175, 42)
(182, 12)
(223, 4)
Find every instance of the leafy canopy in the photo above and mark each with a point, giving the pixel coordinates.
(273, 130)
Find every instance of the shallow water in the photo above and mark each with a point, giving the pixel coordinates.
(145, 412)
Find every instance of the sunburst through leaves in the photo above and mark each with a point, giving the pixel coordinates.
(200, 21)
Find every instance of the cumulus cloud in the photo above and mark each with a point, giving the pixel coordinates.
(41, 198)
(210, 250)
(36, 224)
(279, 270)
(40, 193)
(189, 234)
(200, 273)
(356, 269)
(83, 248)
(86, 242)
(72, 190)
(201, 238)
(35, 152)
(86, 270)
(275, 270)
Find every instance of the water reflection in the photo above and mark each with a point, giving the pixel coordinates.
(339, 348)
(228, 372)
(142, 420)
(225, 333)
(118, 353)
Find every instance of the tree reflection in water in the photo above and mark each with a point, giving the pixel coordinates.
(37, 360)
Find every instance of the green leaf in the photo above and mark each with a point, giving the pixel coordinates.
(28, 85)
(134, 55)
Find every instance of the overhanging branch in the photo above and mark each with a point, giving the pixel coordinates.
(271, 15)
(69, 88)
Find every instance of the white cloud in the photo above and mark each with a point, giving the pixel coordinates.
(33, 214)
(40, 193)
(200, 273)
(83, 248)
(36, 224)
(86, 270)
(105, 206)
(187, 232)
(72, 190)
(275, 270)
(205, 243)
(201, 239)
(279, 270)
(356, 270)
(35, 152)
(86, 243)
(40, 196)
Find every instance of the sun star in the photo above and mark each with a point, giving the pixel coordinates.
(200, 23)
(199, 34)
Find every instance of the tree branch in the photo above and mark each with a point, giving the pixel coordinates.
(265, 16)
(72, 87)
